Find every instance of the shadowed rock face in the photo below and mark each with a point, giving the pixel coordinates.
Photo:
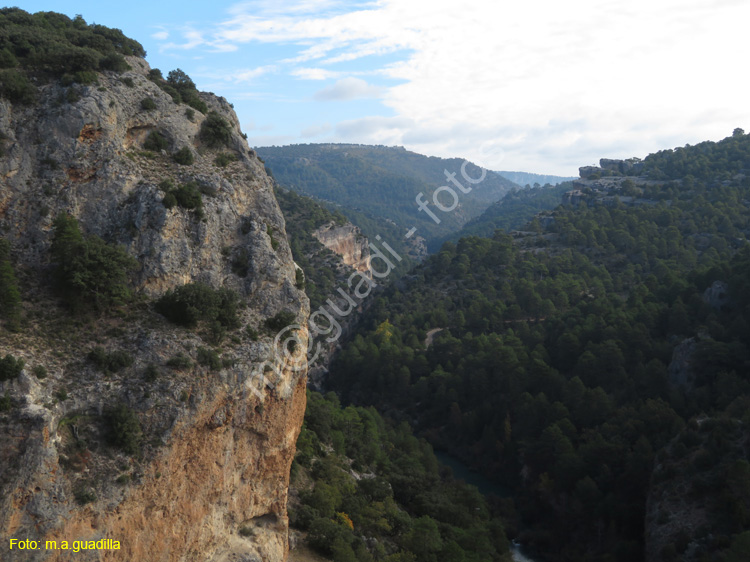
(215, 456)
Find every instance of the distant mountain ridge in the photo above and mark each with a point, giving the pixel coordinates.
(384, 183)
(528, 178)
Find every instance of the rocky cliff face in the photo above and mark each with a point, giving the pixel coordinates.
(348, 242)
(211, 481)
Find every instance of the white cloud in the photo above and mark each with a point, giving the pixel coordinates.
(160, 35)
(192, 38)
(314, 73)
(348, 89)
(315, 130)
(251, 74)
(542, 85)
(378, 130)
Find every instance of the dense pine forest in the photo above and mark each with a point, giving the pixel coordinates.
(368, 490)
(590, 361)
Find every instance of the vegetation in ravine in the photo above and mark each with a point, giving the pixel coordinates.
(370, 491)
(382, 183)
(554, 371)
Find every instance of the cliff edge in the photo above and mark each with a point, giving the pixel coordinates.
(207, 477)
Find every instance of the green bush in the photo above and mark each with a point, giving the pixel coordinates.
(281, 320)
(215, 131)
(73, 95)
(180, 361)
(195, 302)
(10, 367)
(40, 372)
(274, 242)
(184, 156)
(5, 403)
(51, 44)
(155, 141)
(189, 196)
(166, 185)
(125, 429)
(128, 81)
(55, 44)
(110, 362)
(181, 82)
(151, 373)
(324, 533)
(224, 159)
(114, 62)
(241, 263)
(7, 59)
(209, 358)
(89, 271)
(16, 87)
(173, 93)
(148, 104)
(84, 77)
(169, 200)
(155, 75)
(190, 114)
(10, 296)
(84, 495)
(193, 100)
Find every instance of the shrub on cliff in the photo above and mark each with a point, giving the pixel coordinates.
(184, 85)
(281, 320)
(184, 156)
(155, 141)
(10, 296)
(10, 367)
(224, 159)
(110, 362)
(189, 304)
(209, 358)
(215, 130)
(16, 87)
(89, 271)
(114, 62)
(189, 196)
(125, 429)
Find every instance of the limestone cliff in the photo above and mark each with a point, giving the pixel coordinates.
(348, 242)
(211, 481)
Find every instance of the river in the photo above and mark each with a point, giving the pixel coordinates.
(486, 487)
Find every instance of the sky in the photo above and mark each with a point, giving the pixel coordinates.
(535, 86)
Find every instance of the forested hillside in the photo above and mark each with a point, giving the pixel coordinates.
(571, 356)
(366, 489)
(382, 183)
(513, 211)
